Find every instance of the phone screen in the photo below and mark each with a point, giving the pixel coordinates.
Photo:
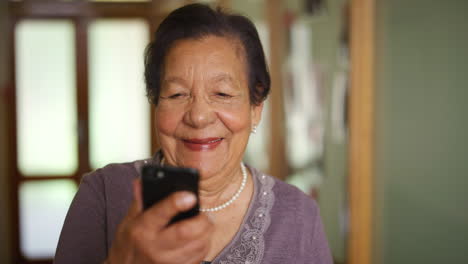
(159, 182)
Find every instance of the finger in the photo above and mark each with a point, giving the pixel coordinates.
(197, 250)
(137, 193)
(183, 232)
(159, 215)
(136, 205)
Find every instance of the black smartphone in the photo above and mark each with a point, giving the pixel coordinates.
(159, 182)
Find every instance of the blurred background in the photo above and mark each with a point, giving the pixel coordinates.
(367, 115)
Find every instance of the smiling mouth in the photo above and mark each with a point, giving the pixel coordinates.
(202, 144)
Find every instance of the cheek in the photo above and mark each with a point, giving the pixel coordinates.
(235, 120)
(166, 121)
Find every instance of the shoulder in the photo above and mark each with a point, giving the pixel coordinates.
(289, 196)
(98, 187)
(112, 174)
(288, 199)
(94, 214)
(111, 184)
(294, 224)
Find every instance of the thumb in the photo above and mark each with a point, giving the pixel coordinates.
(160, 214)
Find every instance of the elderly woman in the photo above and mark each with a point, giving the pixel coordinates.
(207, 79)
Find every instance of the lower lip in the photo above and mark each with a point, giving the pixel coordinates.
(202, 146)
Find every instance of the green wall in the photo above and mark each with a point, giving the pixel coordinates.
(422, 131)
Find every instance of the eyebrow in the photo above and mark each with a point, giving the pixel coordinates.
(175, 79)
(223, 77)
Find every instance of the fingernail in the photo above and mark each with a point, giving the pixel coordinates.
(187, 199)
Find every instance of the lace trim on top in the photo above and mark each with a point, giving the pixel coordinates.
(250, 246)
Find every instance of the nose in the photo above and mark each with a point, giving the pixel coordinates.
(200, 113)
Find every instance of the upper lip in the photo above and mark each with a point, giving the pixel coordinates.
(202, 140)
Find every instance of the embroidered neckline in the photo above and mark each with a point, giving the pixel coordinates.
(248, 246)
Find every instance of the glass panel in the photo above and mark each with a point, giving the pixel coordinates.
(42, 207)
(119, 110)
(46, 97)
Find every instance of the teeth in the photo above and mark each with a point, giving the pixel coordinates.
(213, 141)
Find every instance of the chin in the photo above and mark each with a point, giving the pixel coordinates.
(206, 171)
(205, 166)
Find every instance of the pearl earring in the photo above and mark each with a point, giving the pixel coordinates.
(254, 129)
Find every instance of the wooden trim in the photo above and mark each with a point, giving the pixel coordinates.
(38, 261)
(278, 163)
(12, 148)
(81, 55)
(45, 178)
(69, 9)
(361, 148)
(226, 4)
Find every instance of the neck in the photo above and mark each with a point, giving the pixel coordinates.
(219, 188)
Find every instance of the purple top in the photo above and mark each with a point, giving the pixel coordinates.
(282, 224)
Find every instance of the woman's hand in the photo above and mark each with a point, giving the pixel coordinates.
(143, 237)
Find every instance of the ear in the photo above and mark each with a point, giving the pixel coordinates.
(256, 112)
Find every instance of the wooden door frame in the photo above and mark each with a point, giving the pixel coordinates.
(361, 137)
(79, 13)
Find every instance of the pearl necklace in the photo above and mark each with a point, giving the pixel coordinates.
(236, 195)
(233, 198)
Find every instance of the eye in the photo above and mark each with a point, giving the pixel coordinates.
(175, 95)
(223, 95)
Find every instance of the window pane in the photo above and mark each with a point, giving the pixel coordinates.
(46, 97)
(119, 110)
(42, 207)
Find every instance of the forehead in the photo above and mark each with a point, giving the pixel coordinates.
(211, 55)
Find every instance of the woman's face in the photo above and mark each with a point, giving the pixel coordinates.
(204, 116)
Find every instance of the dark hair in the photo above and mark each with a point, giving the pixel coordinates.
(196, 21)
